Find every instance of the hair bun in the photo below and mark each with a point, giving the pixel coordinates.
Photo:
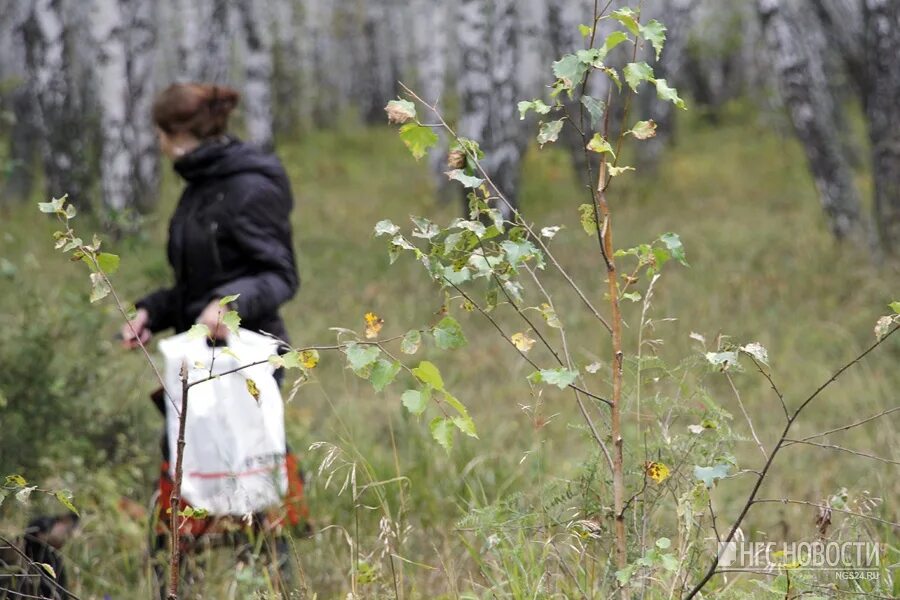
(201, 109)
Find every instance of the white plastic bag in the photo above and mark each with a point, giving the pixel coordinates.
(234, 452)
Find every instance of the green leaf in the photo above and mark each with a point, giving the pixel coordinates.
(456, 404)
(386, 227)
(616, 171)
(416, 401)
(232, 321)
(537, 106)
(418, 139)
(655, 33)
(383, 373)
(549, 132)
(448, 334)
(643, 130)
(588, 219)
(64, 497)
(99, 288)
(709, 475)
(560, 377)
(595, 110)
(599, 144)
(628, 18)
(466, 425)
(673, 243)
(895, 306)
(109, 263)
(442, 431)
(570, 71)
(229, 352)
(638, 72)
(359, 357)
(468, 181)
(427, 373)
(47, 207)
(411, 342)
(663, 543)
(519, 252)
(585, 30)
(611, 41)
(198, 330)
(670, 94)
(228, 299)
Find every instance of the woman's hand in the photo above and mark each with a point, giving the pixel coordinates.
(135, 332)
(212, 318)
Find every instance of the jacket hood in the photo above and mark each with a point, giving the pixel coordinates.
(227, 156)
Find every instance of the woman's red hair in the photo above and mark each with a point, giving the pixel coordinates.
(201, 109)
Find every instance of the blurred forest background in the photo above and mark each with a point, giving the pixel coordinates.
(782, 178)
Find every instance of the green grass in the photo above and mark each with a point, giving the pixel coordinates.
(763, 268)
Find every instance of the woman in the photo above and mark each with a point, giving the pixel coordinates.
(230, 235)
(231, 231)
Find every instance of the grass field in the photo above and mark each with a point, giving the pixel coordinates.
(763, 268)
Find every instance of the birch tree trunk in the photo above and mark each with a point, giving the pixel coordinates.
(882, 49)
(125, 34)
(377, 66)
(58, 100)
(20, 102)
(563, 18)
(431, 31)
(287, 70)
(807, 96)
(257, 102)
(488, 90)
(204, 52)
(676, 16)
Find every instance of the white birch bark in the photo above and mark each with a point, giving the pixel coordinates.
(882, 47)
(58, 101)
(489, 91)
(204, 42)
(254, 24)
(124, 32)
(807, 97)
(20, 102)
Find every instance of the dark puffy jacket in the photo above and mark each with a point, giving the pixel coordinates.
(230, 234)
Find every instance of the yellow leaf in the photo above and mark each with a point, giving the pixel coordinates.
(522, 341)
(309, 359)
(253, 390)
(656, 471)
(374, 323)
(49, 569)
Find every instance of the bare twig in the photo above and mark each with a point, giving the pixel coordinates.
(851, 425)
(814, 505)
(791, 442)
(751, 498)
(43, 573)
(737, 395)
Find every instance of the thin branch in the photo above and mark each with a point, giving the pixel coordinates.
(851, 425)
(43, 573)
(499, 329)
(737, 395)
(765, 374)
(814, 505)
(536, 237)
(791, 442)
(781, 441)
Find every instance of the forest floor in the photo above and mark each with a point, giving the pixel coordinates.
(763, 268)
